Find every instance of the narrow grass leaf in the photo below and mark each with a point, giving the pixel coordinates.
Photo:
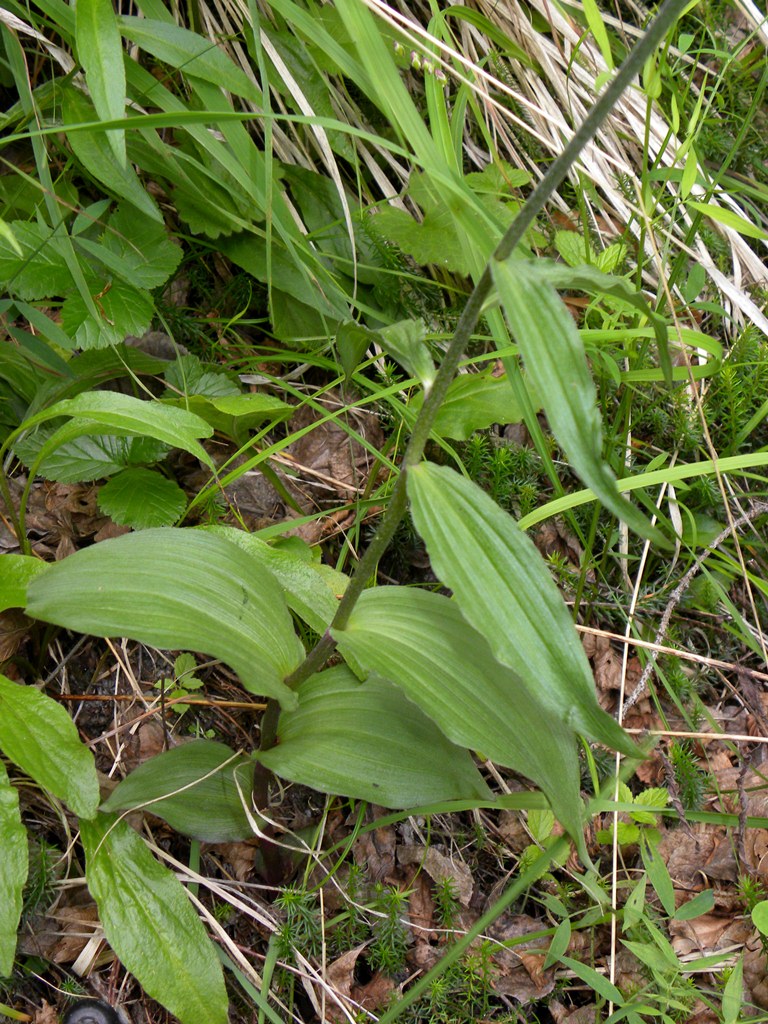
(197, 788)
(733, 994)
(14, 866)
(729, 219)
(367, 740)
(553, 354)
(38, 735)
(422, 643)
(702, 903)
(505, 591)
(597, 982)
(100, 50)
(658, 875)
(151, 925)
(178, 589)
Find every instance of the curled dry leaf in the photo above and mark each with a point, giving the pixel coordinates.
(756, 972)
(439, 868)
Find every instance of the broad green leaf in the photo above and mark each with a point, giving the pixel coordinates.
(420, 641)
(178, 589)
(233, 414)
(729, 219)
(151, 925)
(366, 740)
(760, 916)
(505, 591)
(135, 248)
(100, 51)
(41, 271)
(189, 52)
(553, 354)
(93, 151)
(38, 735)
(141, 498)
(312, 590)
(89, 457)
(197, 787)
(352, 342)
(405, 341)
(123, 310)
(123, 414)
(187, 375)
(473, 402)
(15, 573)
(702, 903)
(14, 865)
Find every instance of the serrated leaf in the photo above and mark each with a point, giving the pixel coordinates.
(148, 255)
(505, 591)
(177, 589)
(93, 151)
(433, 241)
(420, 641)
(627, 834)
(38, 735)
(188, 51)
(15, 573)
(151, 925)
(473, 402)
(366, 740)
(141, 498)
(186, 375)
(198, 788)
(653, 797)
(14, 865)
(572, 247)
(93, 411)
(311, 590)
(42, 271)
(553, 354)
(123, 310)
(92, 457)
(100, 51)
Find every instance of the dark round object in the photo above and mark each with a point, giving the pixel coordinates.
(90, 1011)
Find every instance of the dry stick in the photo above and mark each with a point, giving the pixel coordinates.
(759, 508)
(558, 169)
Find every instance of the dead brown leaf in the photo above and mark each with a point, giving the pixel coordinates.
(518, 968)
(439, 868)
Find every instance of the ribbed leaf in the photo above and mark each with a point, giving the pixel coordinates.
(179, 589)
(100, 50)
(505, 591)
(15, 573)
(198, 788)
(110, 411)
(553, 354)
(38, 735)
(151, 925)
(312, 589)
(420, 641)
(14, 864)
(366, 740)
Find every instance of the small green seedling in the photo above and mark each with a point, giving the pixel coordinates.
(183, 683)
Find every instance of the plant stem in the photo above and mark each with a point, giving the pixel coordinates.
(558, 169)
